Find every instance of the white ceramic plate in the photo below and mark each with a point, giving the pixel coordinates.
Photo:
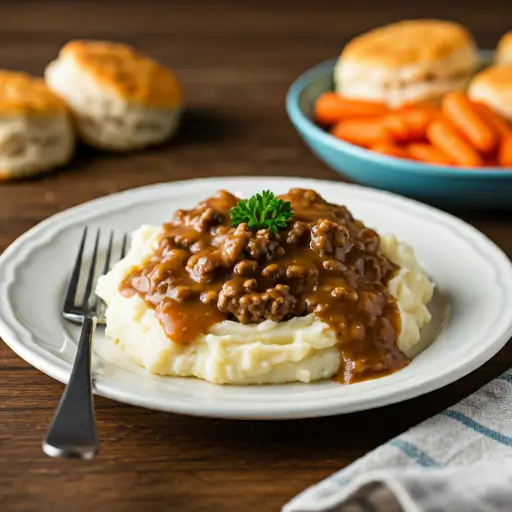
(472, 308)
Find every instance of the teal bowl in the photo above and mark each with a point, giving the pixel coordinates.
(489, 187)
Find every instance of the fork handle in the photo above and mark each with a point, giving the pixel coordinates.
(72, 433)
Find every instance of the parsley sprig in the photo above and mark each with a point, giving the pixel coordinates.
(262, 211)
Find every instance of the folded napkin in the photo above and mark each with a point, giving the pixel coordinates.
(457, 461)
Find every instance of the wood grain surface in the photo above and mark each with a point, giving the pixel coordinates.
(236, 60)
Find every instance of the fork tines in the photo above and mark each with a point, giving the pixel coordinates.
(73, 307)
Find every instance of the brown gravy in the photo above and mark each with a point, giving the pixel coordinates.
(325, 262)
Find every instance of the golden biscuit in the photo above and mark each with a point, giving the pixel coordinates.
(120, 98)
(408, 42)
(411, 61)
(21, 93)
(36, 133)
(504, 48)
(493, 86)
(134, 76)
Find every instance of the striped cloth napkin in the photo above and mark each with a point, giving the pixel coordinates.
(457, 461)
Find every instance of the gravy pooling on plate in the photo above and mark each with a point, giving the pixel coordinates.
(324, 262)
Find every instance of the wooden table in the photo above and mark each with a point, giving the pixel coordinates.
(236, 60)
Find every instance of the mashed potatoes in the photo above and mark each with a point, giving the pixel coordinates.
(301, 349)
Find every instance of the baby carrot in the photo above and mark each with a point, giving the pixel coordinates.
(492, 161)
(362, 132)
(504, 129)
(410, 123)
(445, 137)
(419, 118)
(331, 108)
(466, 118)
(429, 154)
(505, 153)
(398, 127)
(390, 149)
(499, 124)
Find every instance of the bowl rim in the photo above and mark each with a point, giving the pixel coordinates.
(306, 125)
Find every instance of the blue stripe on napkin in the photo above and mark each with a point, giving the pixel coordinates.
(506, 377)
(478, 427)
(414, 453)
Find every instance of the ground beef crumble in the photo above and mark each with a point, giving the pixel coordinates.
(325, 262)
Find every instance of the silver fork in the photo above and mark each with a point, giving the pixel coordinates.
(72, 433)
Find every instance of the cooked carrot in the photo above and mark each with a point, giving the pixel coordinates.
(492, 161)
(505, 154)
(362, 132)
(390, 149)
(398, 127)
(420, 118)
(410, 123)
(445, 137)
(429, 154)
(331, 108)
(463, 114)
(492, 118)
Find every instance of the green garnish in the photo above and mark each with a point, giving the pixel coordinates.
(262, 211)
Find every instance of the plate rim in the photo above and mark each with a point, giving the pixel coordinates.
(119, 393)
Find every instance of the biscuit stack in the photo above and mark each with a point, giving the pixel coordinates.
(114, 97)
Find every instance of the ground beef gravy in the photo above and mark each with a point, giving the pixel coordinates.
(326, 262)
